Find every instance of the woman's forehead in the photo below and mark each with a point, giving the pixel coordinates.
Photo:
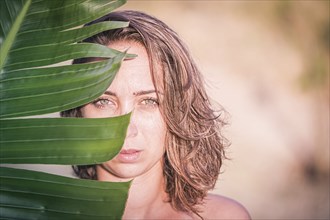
(141, 61)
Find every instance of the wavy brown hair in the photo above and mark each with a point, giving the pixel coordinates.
(194, 148)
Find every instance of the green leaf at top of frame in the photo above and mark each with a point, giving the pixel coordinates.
(48, 18)
(34, 195)
(38, 33)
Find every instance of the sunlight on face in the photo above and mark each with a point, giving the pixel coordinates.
(132, 90)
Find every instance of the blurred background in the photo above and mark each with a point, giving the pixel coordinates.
(267, 64)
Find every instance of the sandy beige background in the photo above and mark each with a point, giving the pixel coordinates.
(267, 63)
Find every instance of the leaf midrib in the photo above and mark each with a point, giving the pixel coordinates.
(12, 34)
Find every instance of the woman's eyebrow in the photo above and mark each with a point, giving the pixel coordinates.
(138, 93)
(145, 92)
(110, 93)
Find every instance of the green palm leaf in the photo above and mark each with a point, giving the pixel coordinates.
(65, 141)
(43, 34)
(34, 195)
(33, 35)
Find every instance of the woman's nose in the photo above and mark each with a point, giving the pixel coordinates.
(127, 107)
(132, 130)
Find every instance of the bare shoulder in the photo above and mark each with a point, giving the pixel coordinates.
(220, 207)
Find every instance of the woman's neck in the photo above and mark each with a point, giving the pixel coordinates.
(146, 196)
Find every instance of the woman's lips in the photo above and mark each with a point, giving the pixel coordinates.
(129, 155)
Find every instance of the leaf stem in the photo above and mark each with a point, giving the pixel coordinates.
(12, 34)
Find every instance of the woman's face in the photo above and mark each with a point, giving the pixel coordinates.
(132, 90)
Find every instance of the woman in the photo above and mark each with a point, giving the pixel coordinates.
(173, 150)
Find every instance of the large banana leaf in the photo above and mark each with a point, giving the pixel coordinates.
(33, 35)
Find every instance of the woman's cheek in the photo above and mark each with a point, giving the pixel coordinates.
(151, 120)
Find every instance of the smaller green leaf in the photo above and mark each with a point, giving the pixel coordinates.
(52, 54)
(46, 37)
(34, 195)
(61, 15)
(61, 140)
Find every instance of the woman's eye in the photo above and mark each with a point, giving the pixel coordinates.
(103, 103)
(150, 102)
